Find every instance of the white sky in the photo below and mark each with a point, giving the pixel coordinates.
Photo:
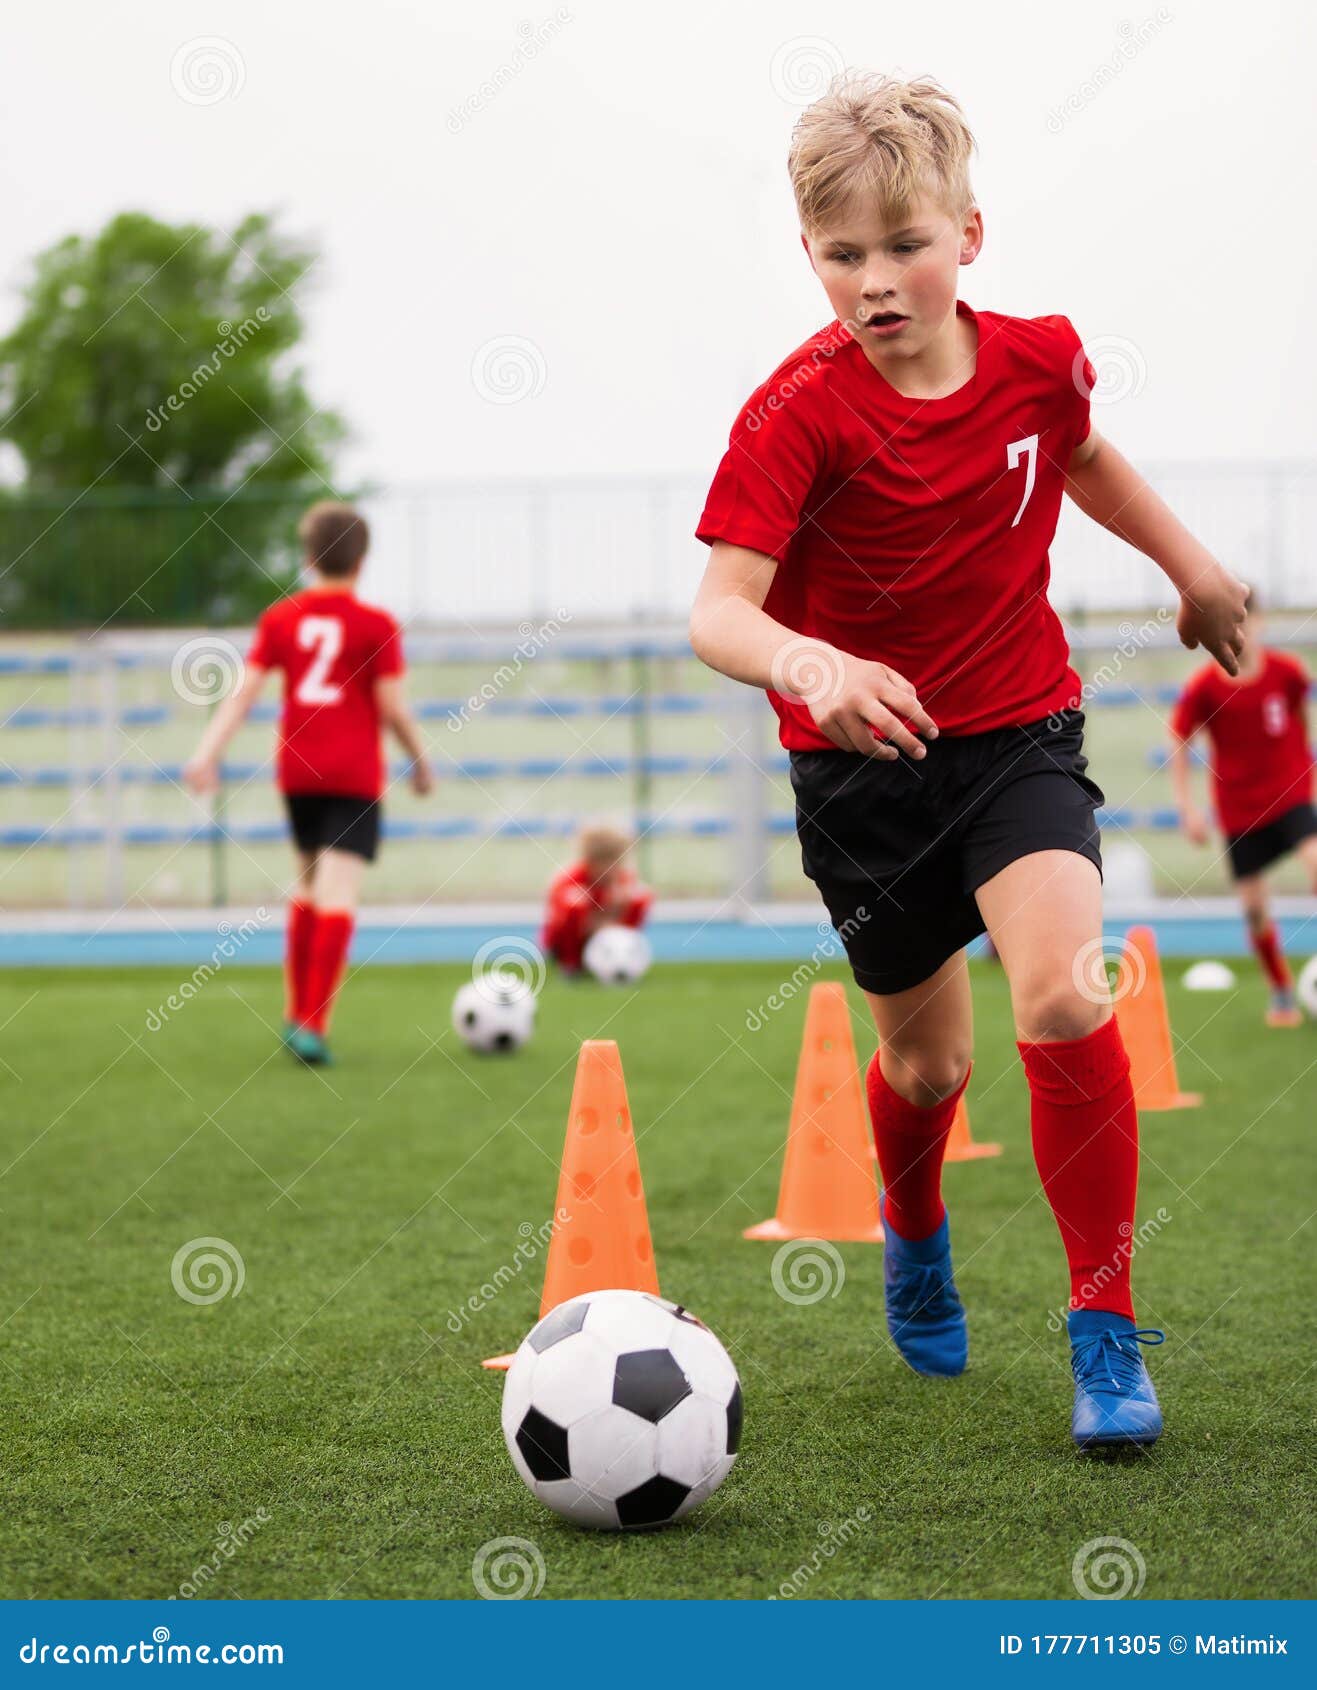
(622, 204)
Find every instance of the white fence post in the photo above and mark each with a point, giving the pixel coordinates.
(111, 784)
(81, 697)
(747, 795)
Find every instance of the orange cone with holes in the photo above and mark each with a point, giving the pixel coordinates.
(961, 1143)
(1145, 1026)
(600, 1239)
(828, 1186)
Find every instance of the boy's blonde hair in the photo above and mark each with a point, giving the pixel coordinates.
(880, 139)
(601, 845)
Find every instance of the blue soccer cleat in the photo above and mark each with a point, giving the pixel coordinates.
(309, 1048)
(1283, 1008)
(1114, 1400)
(924, 1312)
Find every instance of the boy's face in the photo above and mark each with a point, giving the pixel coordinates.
(894, 288)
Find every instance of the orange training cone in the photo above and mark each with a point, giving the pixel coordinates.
(828, 1188)
(1145, 1027)
(960, 1141)
(603, 1244)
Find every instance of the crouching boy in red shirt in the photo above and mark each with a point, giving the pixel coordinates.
(598, 890)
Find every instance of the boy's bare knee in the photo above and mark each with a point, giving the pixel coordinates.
(924, 1077)
(1058, 1012)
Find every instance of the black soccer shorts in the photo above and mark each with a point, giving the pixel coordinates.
(898, 848)
(1257, 849)
(330, 821)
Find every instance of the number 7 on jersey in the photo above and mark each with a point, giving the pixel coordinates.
(1028, 449)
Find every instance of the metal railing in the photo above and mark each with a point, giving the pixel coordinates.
(460, 554)
(607, 719)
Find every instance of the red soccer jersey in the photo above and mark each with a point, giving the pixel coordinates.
(915, 532)
(573, 894)
(332, 649)
(1261, 761)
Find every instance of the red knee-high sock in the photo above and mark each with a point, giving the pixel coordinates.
(1267, 945)
(329, 955)
(297, 956)
(1086, 1146)
(911, 1142)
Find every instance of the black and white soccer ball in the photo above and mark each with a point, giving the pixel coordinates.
(622, 1410)
(1306, 986)
(494, 1013)
(617, 955)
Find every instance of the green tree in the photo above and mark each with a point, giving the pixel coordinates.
(165, 429)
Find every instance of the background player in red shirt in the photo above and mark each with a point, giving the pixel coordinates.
(880, 527)
(598, 889)
(342, 666)
(1262, 774)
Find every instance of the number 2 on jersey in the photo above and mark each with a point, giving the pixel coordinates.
(324, 636)
(1028, 449)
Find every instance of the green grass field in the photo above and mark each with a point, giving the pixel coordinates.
(333, 1395)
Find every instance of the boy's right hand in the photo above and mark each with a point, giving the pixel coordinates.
(1211, 615)
(1194, 824)
(849, 698)
(422, 777)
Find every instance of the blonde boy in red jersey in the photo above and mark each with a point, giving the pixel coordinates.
(880, 527)
(597, 890)
(342, 666)
(1262, 777)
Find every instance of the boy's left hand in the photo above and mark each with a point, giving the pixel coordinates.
(422, 778)
(201, 776)
(1211, 615)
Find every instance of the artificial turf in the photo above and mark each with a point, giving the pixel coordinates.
(333, 1407)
